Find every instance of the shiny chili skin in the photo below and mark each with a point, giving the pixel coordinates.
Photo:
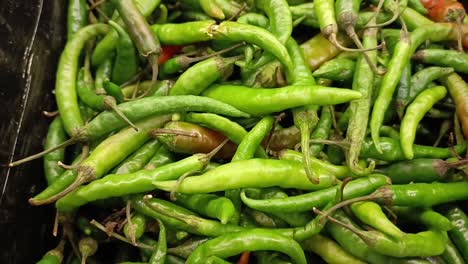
(329, 250)
(338, 69)
(126, 60)
(459, 233)
(426, 216)
(252, 240)
(458, 90)
(139, 158)
(308, 201)
(265, 101)
(200, 140)
(210, 205)
(77, 16)
(162, 157)
(65, 86)
(451, 254)
(138, 224)
(416, 170)
(253, 139)
(370, 213)
(55, 135)
(159, 254)
(414, 114)
(318, 50)
(257, 173)
(279, 16)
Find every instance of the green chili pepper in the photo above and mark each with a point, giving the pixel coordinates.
(307, 11)
(185, 249)
(403, 88)
(337, 69)
(77, 16)
(329, 250)
(103, 72)
(136, 182)
(201, 75)
(360, 109)
(415, 112)
(425, 216)
(264, 101)
(417, 6)
(321, 131)
(159, 255)
(211, 8)
(139, 158)
(279, 17)
(208, 204)
(126, 60)
(265, 220)
(184, 33)
(256, 173)
(55, 136)
(252, 140)
(114, 90)
(54, 256)
(371, 214)
(65, 86)
(162, 157)
(256, 239)
(137, 228)
(88, 246)
(413, 19)
(145, 41)
(445, 58)
(458, 90)
(308, 201)
(318, 50)
(459, 232)
(423, 194)
(391, 150)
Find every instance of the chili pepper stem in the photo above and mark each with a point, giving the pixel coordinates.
(119, 237)
(110, 103)
(334, 220)
(50, 113)
(131, 227)
(66, 143)
(305, 138)
(84, 155)
(168, 131)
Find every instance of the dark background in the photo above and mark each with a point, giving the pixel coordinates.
(31, 38)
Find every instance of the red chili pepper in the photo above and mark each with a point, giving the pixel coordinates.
(444, 10)
(168, 52)
(244, 258)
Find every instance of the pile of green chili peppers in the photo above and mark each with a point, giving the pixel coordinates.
(264, 131)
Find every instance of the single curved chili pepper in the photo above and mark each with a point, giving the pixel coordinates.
(139, 158)
(207, 204)
(55, 136)
(114, 90)
(187, 138)
(371, 214)
(319, 49)
(257, 173)
(419, 81)
(279, 17)
(422, 244)
(308, 201)
(328, 250)
(65, 86)
(88, 247)
(140, 32)
(136, 182)
(425, 216)
(417, 6)
(354, 245)
(77, 16)
(391, 150)
(417, 170)
(423, 194)
(413, 19)
(186, 248)
(137, 228)
(445, 58)
(360, 109)
(230, 129)
(184, 33)
(126, 60)
(459, 232)
(337, 69)
(103, 72)
(106, 46)
(403, 88)
(162, 157)
(265, 101)
(339, 172)
(201, 75)
(415, 112)
(252, 140)
(256, 239)
(211, 8)
(54, 256)
(105, 157)
(451, 254)
(159, 255)
(390, 132)
(458, 90)
(321, 131)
